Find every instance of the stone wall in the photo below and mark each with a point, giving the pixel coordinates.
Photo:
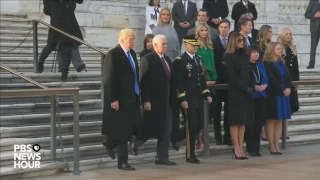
(102, 19)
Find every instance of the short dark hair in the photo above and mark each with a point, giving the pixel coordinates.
(253, 48)
(225, 21)
(151, 3)
(204, 10)
(243, 22)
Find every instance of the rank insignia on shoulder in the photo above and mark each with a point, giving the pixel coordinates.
(178, 57)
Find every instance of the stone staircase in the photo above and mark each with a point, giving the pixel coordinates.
(27, 120)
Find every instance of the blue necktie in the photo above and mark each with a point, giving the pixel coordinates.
(136, 86)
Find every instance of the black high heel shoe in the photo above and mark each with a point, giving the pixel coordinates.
(273, 153)
(235, 156)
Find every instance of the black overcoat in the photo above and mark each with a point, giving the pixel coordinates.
(292, 64)
(158, 89)
(240, 78)
(63, 17)
(118, 84)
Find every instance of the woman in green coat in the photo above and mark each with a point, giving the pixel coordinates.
(205, 50)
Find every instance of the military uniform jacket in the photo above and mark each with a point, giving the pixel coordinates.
(189, 76)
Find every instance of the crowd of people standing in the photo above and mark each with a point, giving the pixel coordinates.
(258, 71)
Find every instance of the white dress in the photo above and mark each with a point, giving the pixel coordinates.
(151, 18)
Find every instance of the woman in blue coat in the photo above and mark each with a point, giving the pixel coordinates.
(253, 130)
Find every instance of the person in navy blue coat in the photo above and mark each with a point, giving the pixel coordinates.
(253, 130)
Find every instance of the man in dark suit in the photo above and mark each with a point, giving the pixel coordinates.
(157, 95)
(203, 18)
(245, 28)
(220, 45)
(184, 15)
(313, 13)
(191, 86)
(62, 17)
(121, 112)
(218, 10)
(243, 7)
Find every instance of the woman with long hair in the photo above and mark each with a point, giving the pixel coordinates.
(165, 28)
(147, 45)
(278, 91)
(205, 50)
(253, 130)
(152, 15)
(240, 89)
(264, 38)
(289, 54)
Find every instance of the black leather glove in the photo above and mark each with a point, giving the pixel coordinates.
(249, 90)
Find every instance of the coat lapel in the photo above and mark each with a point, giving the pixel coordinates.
(156, 56)
(125, 58)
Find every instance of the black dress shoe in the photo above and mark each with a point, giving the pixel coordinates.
(64, 77)
(219, 142)
(164, 162)
(81, 67)
(258, 154)
(110, 151)
(310, 67)
(175, 146)
(253, 154)
(193, 160)
(126, 166)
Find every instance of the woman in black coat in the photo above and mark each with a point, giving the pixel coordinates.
(289, 54)
(240, 88)
(147, 45)
(278, 91)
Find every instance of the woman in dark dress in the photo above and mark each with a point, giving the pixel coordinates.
(264, 38)
(289, 54)
(259, 96)
(147, 45)
(278, 91)
(240, 88)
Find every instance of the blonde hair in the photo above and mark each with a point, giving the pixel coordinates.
(124, 33)
(232, 44)
(160, 23)
(206, 43)
(290, 44)
(269, 53)
(262, 40)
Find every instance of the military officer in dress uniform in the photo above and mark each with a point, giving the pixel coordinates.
(191, 86)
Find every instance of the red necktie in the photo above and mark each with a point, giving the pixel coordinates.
(165, 66)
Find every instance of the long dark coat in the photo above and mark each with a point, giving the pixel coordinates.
(240, 78)
(118, 83)
(158, 89)
(63, 17)
(293, 67)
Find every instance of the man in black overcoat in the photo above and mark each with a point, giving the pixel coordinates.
(189, 78)
(63, 17)
(121, 112)
(157, 94)
(217, 10)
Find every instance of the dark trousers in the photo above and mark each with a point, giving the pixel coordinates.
(217, 117)
(121, 149)
(253, 131)
(164, 142)
(193, 125)
(46, 51)
(315, 36)
(68, 53)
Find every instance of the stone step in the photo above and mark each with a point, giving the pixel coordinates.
(48, 77)
(84, 95)
(93, 163)
(83, 85)
(29, 52)
(19, 33)
(29, 60)
(40, 45)
(44, 118)
(96, 149)
(47, 67)
(315, 109)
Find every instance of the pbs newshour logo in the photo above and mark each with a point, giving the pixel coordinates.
(26, 156)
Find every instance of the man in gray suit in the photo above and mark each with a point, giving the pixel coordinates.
(313, 13)
(184, 15)
(203, 18)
